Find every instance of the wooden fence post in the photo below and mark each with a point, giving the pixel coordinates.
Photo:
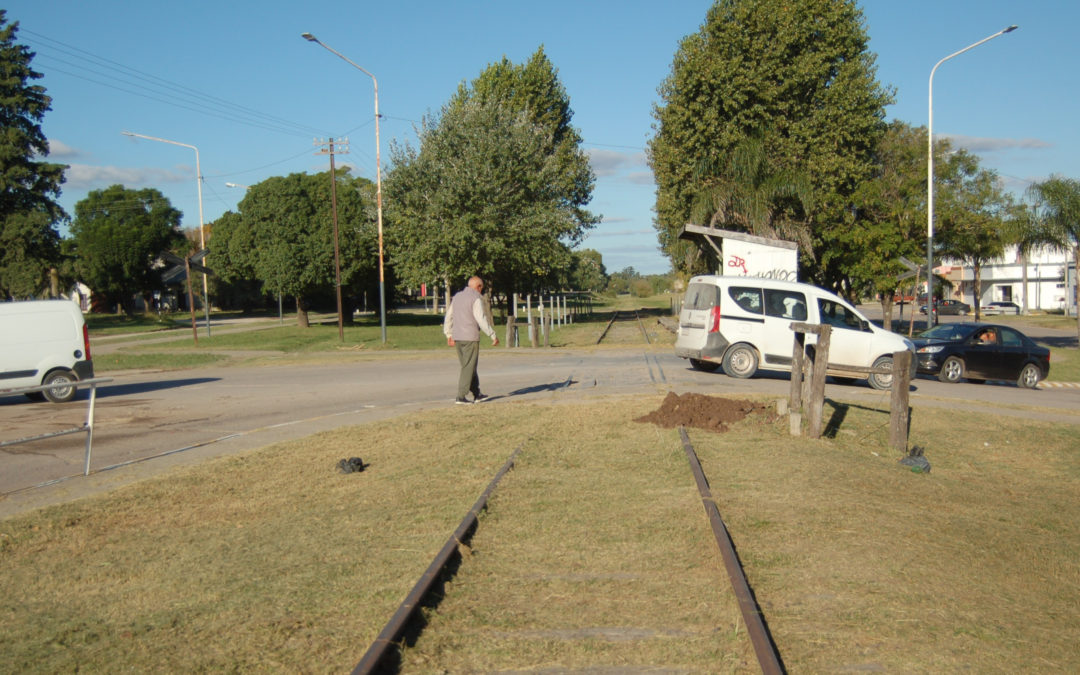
(820, 364)
(900, 413)
(798, 353)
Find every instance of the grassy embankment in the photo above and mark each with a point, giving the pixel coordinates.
(595, 552)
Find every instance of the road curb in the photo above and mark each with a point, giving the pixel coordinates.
(1059, 385)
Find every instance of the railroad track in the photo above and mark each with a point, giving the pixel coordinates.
(384, 653)
(627, 328)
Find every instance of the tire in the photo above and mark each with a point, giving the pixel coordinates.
(61, 393)
(1029, 376)
(704, 366)
(741, 361)
(952, 371)
(877, 381)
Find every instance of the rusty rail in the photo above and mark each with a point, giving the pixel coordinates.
(767, 654)
(387, 639)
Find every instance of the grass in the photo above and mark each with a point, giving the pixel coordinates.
(595, 552)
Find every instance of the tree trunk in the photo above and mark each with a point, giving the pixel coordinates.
(1024, 264)
(886, 310)
(978, 292)
(301, 312)
(1076, 286)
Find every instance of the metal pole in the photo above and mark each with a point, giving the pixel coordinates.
(930, 177)
(378, 178)
(337, 257)
(202, 233)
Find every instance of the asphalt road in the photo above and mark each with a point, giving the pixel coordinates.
(147, 422)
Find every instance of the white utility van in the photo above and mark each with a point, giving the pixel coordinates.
(742, 324)
(44, 342)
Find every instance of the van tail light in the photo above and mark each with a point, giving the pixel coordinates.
(86, 340)
(714, 319)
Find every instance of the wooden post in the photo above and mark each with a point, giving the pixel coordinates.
(798, 353)
(900, 413)
(815, 406)
(510, 328)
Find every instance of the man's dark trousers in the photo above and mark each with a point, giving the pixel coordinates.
(468, 354)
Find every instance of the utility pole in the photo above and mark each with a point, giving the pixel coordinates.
(329, 150)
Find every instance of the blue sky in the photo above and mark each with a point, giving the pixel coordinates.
(236, 80)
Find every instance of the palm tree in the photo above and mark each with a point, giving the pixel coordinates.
(747, 193)
(1060, 201)
(1025, 229)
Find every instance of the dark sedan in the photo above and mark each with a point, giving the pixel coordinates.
(980, 352)
(948, 307)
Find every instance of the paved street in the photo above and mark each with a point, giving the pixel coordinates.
(150, 421)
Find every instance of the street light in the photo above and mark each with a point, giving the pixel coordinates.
(202, 234)
(930, 179)
(378, 178)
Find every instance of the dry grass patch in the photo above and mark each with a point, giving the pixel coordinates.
(594, 553)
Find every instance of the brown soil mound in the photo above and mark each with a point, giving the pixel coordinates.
(703, 412)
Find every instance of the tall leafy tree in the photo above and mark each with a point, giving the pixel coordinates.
(498, 186)
(284, 237)
(587, 271)
(29, 187)
(971, 212)
(888, 220)
(117, 236)
(1059, 199)
(799, 76)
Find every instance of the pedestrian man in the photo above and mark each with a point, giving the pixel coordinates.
(465, 319)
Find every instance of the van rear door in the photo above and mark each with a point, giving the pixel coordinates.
(698, 315)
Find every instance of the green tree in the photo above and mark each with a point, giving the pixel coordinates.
(971, 210)
(235, 284)
(284, 237)
(117, 236)
(797, 76)
(29, 240)
(1059, 203)
(497, 187)
(888, 220)
(587, 271)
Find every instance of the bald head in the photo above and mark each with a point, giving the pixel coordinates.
(477, 284)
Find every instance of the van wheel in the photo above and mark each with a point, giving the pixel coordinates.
(877, 380)
(704, 366)
(60, 393)
(741, 361)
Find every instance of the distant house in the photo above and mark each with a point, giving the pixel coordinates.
(1051, 277)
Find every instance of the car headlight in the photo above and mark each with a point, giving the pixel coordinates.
(931, 349)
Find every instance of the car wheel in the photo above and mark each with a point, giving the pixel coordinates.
(60, 393)
(741, 361)
(952, 370)
(878, 380)
(1029, 376)
(704, 366)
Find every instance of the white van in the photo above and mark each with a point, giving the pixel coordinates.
(741, 324)
(44, 342)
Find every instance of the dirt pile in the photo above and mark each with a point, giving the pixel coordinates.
(711, 413)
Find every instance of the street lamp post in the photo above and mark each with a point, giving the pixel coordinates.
(378, 178)
(202, 234)
(930, 178)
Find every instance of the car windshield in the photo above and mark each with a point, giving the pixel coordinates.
(948, 331)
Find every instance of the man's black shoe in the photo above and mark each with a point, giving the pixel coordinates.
(462, 401)
(480, 398)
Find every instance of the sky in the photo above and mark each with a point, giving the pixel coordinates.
(237, 81)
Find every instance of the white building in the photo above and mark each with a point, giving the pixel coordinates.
(1051, 276)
